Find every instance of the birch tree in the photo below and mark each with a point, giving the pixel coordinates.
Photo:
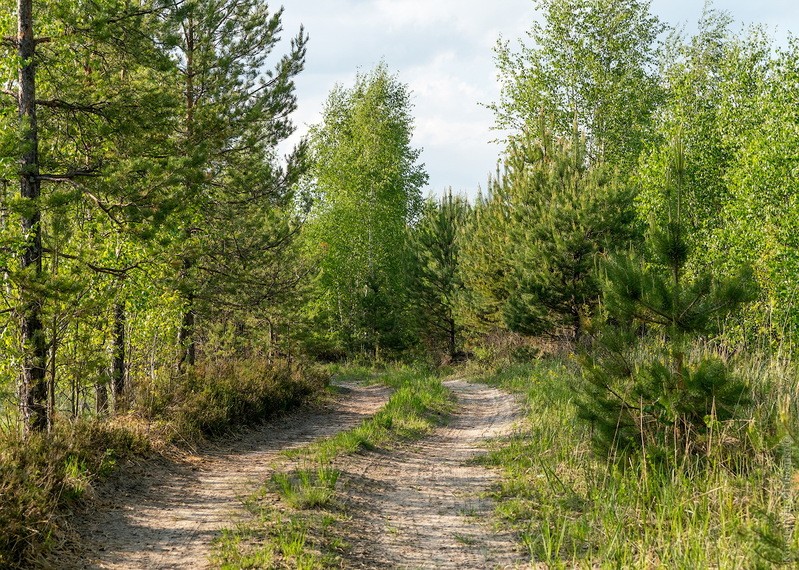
(368, 182)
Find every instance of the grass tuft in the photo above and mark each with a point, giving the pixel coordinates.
(306, 488)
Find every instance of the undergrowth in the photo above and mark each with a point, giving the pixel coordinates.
(296, 517)
(45, 475)
(572, 508)
(215, 396)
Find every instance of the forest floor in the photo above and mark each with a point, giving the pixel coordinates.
(420, 505)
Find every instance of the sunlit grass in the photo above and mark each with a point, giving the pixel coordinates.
(571, 508)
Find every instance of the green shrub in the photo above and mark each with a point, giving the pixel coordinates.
(646, 389)
(215, 396)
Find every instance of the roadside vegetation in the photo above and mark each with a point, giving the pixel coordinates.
(297, 517)
(45, 476)
(732, 506)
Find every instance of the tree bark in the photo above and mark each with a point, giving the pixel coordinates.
(101, 398)
(33, 381)
(118, 387)
(452, 337)
(186, 336)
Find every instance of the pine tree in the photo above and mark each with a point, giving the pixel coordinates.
(81, 98)
(237, 220)
(565, 216)
(644, 387)
(486, 264)
(437, 281)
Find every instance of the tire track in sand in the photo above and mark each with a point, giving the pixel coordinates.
(165, 514)
(422, 506)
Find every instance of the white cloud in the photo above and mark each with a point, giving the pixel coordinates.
(443, 50)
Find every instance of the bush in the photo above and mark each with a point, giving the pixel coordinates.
(45, 473)
(41, 475)
(215, 396)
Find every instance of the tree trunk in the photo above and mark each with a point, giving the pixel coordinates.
(452, 333)
(51, 383)
(186, 336)
(33, 381)
(187, 327)
(101, 398)
(118, 387)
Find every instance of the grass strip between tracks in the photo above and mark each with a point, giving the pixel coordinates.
(295, 517)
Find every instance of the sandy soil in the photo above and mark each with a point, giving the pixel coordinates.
(166, 514)
(424, 506)
(420, 506)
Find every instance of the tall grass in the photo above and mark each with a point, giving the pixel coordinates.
(572, 508)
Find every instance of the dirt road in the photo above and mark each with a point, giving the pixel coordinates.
(166, 515)
(416, 507)
(423, 506)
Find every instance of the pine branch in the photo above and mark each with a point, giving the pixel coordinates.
(117, 272)
(13, 41)
(94, 108)
(71, 175)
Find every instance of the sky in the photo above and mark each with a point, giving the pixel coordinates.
(443, 51)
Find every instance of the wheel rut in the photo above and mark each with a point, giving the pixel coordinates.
(166, 514)
(420, 506)
(424, 506)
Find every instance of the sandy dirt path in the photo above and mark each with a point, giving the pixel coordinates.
(166, 514)
(423, 506)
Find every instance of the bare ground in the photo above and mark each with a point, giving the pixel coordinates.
(166, 514)
(424, 506)
(420, 506)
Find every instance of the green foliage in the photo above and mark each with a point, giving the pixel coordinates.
(161, 190)
(530, 250)
(759, 223)
(368, 184)
(728, 95)
(436, 278)
(486, 266)
(591, 64)
(571, 509)
(651, 394)
(218, 395)
(564, 217)
(233, 237)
